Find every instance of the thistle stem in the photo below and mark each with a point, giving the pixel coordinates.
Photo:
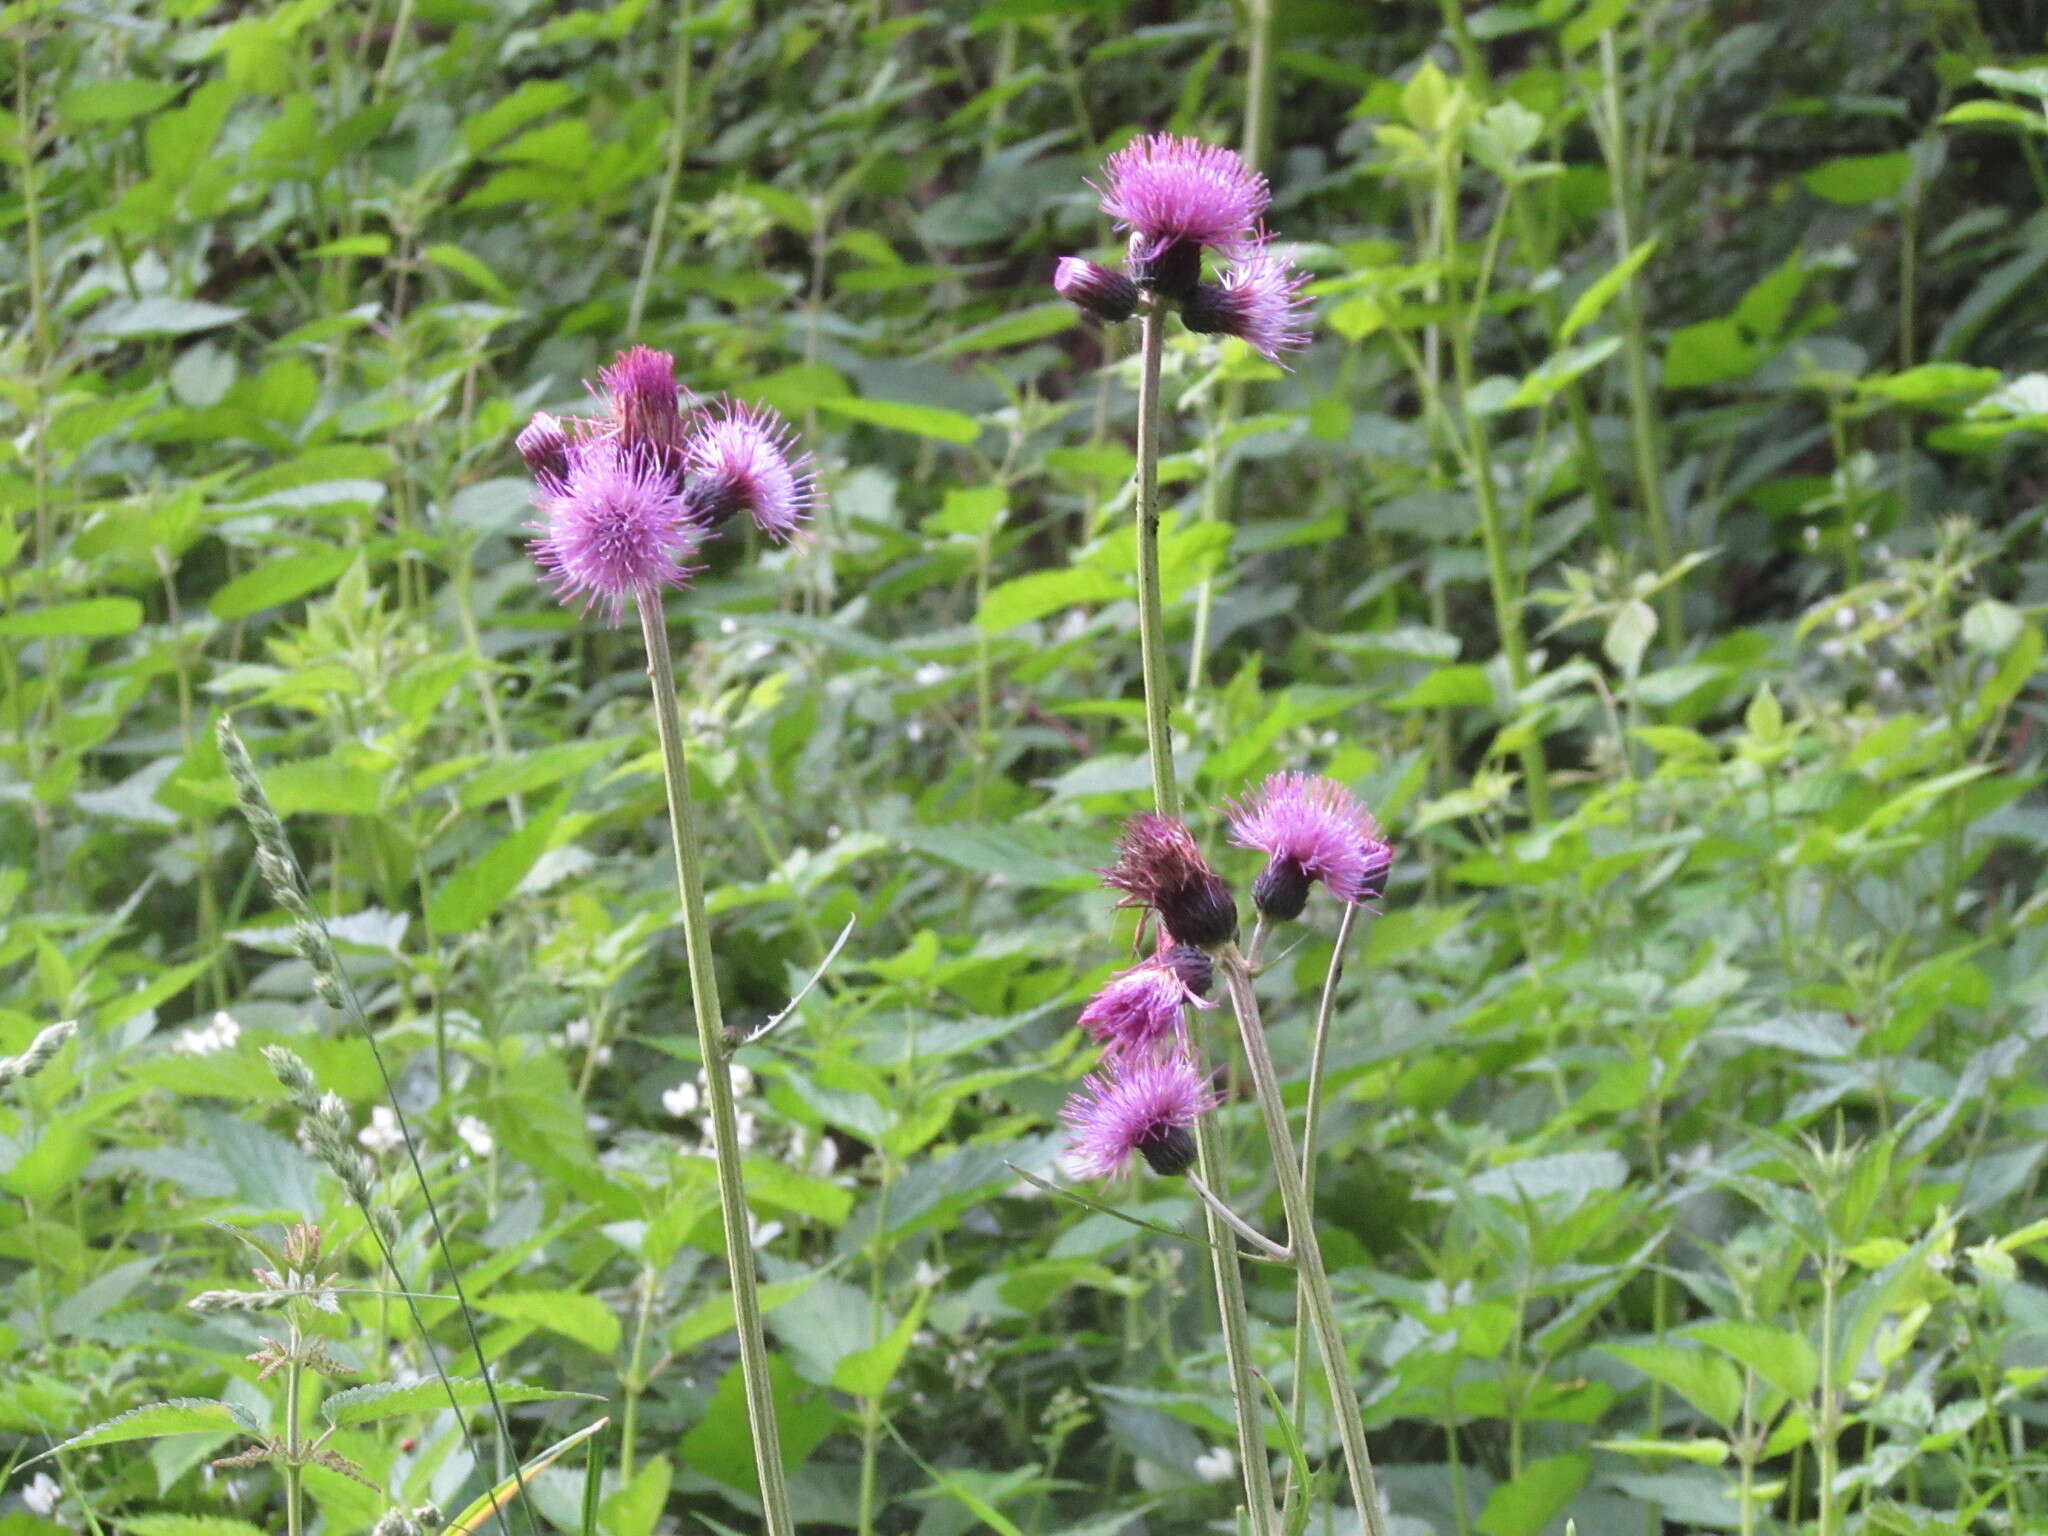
(1151, 607)
(1301, 1240)
(1311, 1123)
(1223, 1259)
(732, 1194)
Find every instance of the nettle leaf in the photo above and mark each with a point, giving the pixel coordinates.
(91, 618)
(1712, 1385)
(1782, 1358)
(278, 580)
(187, 1525)
(1527, 1505)
(586, 1319)
(1024, 598)
(177, 1416)
(901, 416)
(390, 1400)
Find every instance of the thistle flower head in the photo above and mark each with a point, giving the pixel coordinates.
(1258, 298)
(1095, 289)
(1158, 866)
(1172, 191)
(1310, 828)
(1138, 1011)
(1143, 1107)
(646, 402)
(614, 529)
(743, 459)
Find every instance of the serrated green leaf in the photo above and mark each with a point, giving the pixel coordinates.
(390, 1400)
(176, 1416)
(280, 580)
(91, 618)
(586, 1319)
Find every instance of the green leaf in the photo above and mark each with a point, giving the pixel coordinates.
(480, 886)
(279, 580)
(1558, 370)
(89, 618)
(868, 1372)
(1529, 1503)
(160, 316)
(1991, 627)
(1706, 1453)
(1024, 598)
(113, 101)
(1778, 1356)
(1711, 352)
(323, 786)
(187, 1525)
(178, 1416)
(573, 1315)
(1031, 324)
(901, 416)
(714, 1315)
(1629, 634)
(390, 1400)
(1853, 180)
(1706, 1381)
(1588, 305)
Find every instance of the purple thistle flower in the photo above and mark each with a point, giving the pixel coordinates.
(614, 528)
(646, 402)
(1158, 866)
(742, 460)
(1139, 1010)
(1258, 298)
(1311, 828)
(1177, 195)
(1095, 289)
(1146, 1107)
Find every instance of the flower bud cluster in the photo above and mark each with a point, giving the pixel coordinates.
(629, 495)
(1179, 197)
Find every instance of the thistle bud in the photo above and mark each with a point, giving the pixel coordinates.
(1172, 269)
(1095, 289)
(1169, 1149)
(545, 447)
(1281, 890)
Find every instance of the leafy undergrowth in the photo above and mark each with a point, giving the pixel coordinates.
(1684, 1135)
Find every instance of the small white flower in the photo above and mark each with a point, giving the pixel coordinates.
(382, 1134)
(745, 1131)
(41, 1496)
(928, 1275)
(728, 626)
(1811, 534)
(1831, 647)
(762, 1233)
(217, 1035)
(477, 1135)
(576, 1033)
(742, 1080)
(682, 1100)
(832, 833)
(913, 731)
(1881, 611)
(1863, 530)
(1845, 616)
(932, 672)
(825, 1158)
(1887, 680)
(1216, 1465)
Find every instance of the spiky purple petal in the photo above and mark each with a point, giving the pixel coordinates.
(1167, 190)
(1320, 829)
(1258, 298)
(1138, 1011)
(1143, 1107)
(613, 528)
(744, 458)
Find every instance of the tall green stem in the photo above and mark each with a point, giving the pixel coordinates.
(1151, 608)
(294, 1468)
(1301, 1239)
(1642, 410)
(1311, 1123)
(732, 1194)
(1237, 1331)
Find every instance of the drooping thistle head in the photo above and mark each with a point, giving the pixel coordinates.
(1257, 299)
(1138, 1012)
(1310, 828)
(1178, 197)
(1159, 866)
(626, 497)
(1144, 1107)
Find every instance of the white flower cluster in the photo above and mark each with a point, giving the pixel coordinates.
(218, 1035)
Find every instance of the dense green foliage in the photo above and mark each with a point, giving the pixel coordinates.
(1685, 1139)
